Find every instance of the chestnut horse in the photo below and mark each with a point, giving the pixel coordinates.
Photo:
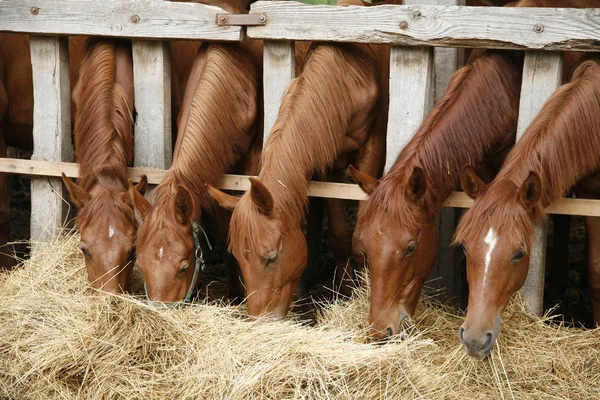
(497, 233)
(475, 121)
(337, 107)
(217, 127)
(103, 100)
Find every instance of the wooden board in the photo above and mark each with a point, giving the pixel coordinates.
(279, 70)
(51, 131)
(411, 97)
(541, 76)
(240, 182)
(152, 83)
(488, 27)
(144, 19)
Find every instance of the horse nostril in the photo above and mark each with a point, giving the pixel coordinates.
(460, 334)
(489, 342)
(389, 332)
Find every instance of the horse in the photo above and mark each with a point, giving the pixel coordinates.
(103, 100)
(497, 233)
(217, 129)
(475, 121)
(336, 108)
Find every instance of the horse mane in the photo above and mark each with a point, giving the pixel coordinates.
(307, 136)
(213, 135)
(469, 122)
(549, 148)
(110, 202)
(103, 118)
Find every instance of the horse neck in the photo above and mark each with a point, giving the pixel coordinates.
(476, 116)
(314, 118)
(557, 144)
(103, 120)
(218, 119)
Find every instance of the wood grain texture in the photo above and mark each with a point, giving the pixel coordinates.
(152, 83)
(411, 97)
(447, 26)
(51, 131)
(541, 76)
(279, 70)
(144, 19)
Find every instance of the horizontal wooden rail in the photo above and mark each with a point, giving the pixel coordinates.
(445, 26)
(141, 19)
(316, 189)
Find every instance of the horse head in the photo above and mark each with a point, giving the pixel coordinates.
(497, 236)
(271, 253)
(108, 228)
(166, 244)
(395, 236)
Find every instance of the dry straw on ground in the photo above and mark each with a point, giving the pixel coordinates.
(58, 341)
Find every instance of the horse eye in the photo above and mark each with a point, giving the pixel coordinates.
(463, 248)
(183, 269)
(410, 249)
(84, 251)
(518, 256)
(272, 258)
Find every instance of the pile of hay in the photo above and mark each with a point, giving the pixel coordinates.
(57, 341)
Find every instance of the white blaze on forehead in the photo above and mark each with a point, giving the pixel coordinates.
(111, 232)
(160, 253)
(490, 239)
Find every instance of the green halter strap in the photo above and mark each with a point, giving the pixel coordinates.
(197, 267)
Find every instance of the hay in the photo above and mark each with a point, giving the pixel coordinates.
(58, 341)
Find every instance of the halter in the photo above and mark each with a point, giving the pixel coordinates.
(197, 267)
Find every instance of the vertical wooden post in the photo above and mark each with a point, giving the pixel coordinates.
(445, 273)
(152, 82)
(411, 96)
(279, 70)
(51, 131)
(542, 73)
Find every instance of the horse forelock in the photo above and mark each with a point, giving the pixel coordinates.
(470, 120)
(103, 119)
(106, 200)
(498, 208)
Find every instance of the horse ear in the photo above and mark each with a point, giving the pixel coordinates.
(78, 195)
(531, 190)
(225, 200)
(261, 196)
(417, 185)
(365, 181)
(140, 204)
(184, 206)
(142, 185)
(470, 183)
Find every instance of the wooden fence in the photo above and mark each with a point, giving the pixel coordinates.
(413, 30)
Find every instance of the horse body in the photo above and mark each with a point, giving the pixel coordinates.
(217, 128)
(497, 233)
(329, 112)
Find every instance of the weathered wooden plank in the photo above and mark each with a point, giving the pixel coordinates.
(144, 19)
(418, 25)
(51, 131)
(240, 182)
(411, 73)
(541, 76)
(445, 274)
(279, 70)
(152, 82)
